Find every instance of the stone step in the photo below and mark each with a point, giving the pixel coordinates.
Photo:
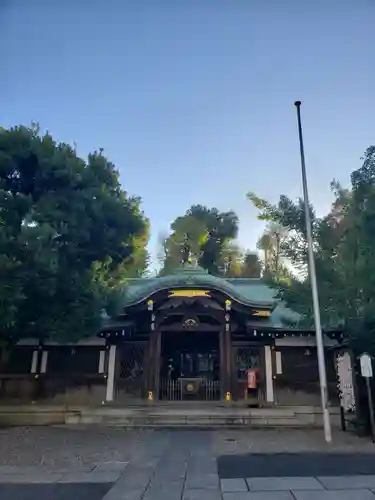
(156, 416)
(217, 417)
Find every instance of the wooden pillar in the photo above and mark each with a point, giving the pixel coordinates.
(34, 361)
(153, 355)
(228, 361)
(222, 364)
(147, 367)
(101, 361)
(111, 373)
(269, 374)
(37, 391)
(226, 352)
(153, 364)
(43, 362)
(157, 354)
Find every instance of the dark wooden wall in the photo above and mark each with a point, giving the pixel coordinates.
(300, 371)
(68, 369)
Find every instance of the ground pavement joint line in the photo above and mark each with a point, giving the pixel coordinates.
(363, 494)
(202, 479)
(132, 484)
(300, 495)
(91, 477)
(168, 478)
(283, 484)
(262, 495)
(137, 477)
(348, 482)
(233, 485)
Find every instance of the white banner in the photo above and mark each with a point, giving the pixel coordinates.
(345, 383)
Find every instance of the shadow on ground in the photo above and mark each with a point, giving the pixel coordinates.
(79, 491)
(294, 464)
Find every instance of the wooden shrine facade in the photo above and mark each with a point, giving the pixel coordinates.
(188, 336)
(196, 343)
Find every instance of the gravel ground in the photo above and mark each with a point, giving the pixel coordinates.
(233, 442)
(185, 460)
(69, 447)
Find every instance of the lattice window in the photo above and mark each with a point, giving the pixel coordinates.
(247, 358)
(132, 361)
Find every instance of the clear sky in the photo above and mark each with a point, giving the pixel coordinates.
(193, 99)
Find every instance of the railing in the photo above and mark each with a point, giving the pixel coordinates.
(173, 390)
(170, 390)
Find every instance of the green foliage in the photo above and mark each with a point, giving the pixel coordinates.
(271, 243)
(251, 266)
(69, 237)
(207, 237)
(203, 233)
(344, 247)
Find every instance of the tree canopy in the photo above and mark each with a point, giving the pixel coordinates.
(344, 247)
(69, 237)
(209, 237)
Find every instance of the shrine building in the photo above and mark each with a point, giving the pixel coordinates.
(188, 336)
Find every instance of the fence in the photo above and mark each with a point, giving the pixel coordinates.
(201, 389)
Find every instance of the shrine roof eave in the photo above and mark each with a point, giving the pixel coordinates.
(113, 325)
(250, 292)
(134, 296)
(289, 331)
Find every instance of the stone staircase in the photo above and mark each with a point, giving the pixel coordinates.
(155, 416)
(173, 415)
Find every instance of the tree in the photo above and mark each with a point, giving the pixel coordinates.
(344, 248)
(231, 259)
(69, 234)
(251, 266)
(206, 233)
(271, 243)
(240, 264)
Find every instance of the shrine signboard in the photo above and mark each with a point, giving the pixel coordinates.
(366, 372)
(345, 381)
(366, 365)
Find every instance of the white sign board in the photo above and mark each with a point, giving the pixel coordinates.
(366, 365)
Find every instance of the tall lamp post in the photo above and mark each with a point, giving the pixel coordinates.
(314, 289)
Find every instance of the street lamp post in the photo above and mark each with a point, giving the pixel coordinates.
(314, 289)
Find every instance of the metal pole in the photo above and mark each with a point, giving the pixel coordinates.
(314, 289)
(370, 408)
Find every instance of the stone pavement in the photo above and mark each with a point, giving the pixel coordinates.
(299, 488)
(115, 464)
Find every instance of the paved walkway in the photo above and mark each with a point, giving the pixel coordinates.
(115, 464)
(299, 488)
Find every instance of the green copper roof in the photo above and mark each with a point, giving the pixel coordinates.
(246, 291)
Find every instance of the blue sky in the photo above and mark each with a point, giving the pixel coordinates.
(193, 100)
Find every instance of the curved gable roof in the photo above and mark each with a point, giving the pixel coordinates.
(250, 292)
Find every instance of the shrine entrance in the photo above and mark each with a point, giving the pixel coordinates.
(190, 366)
